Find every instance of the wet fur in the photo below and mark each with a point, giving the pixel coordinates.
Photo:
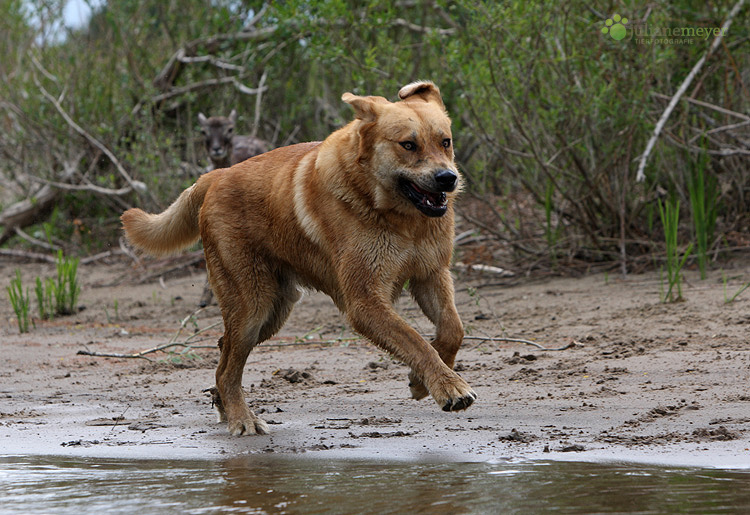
(331, 216)
(224, 150)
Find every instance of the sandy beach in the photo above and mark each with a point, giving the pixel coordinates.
(636, 380)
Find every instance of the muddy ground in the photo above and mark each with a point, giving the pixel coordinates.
(639, 380)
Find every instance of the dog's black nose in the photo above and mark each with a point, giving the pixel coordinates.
(446, 180)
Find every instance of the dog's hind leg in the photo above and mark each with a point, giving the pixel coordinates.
(239, 289)
(435, 297)
(287, 295)
(238, 340)
(252, 312)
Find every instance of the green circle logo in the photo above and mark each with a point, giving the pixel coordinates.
(615, 27)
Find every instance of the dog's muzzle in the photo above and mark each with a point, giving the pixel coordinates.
(432, 202)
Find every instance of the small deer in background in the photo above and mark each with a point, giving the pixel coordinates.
(225, 149)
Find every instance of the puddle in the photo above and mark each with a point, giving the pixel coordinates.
(271, 484)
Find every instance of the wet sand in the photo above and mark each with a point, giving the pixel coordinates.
(641, 381)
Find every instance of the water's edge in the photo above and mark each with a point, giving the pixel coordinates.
(284, 483)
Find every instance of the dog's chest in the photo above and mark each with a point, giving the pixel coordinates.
(405, 256)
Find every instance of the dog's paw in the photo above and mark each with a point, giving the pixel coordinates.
(454, 394)
(460, 403)
(418, 389)
(251, 425)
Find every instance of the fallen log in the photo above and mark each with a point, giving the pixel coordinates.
(32, 209)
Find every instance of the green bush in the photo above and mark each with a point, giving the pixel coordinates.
(550, 114)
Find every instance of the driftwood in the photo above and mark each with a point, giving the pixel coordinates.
(30, 210)
(27, 211)
(483, 269)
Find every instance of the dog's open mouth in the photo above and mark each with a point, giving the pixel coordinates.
(428, 202)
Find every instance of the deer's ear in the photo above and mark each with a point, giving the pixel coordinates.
(233, 116)
(424, 90)
(365, 108)
(202, 119)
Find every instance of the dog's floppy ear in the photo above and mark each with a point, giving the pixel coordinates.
(365, 108)
(425, 90)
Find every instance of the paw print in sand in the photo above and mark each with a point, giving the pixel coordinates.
(615, 26)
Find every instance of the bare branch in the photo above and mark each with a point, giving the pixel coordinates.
(701, 103)
(34, 256)
(258, 16)
(43, 69)
(288, 140)
(202, 85)
(248, 91)
(400, 22)
(100, 255)
(256, 119)
(35, 241)
(724, 152)
(640, 175)
(83, 187)
(212, 60)
(134, 185)
(723, 128)
(166, 77)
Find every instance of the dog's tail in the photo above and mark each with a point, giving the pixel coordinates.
(172, 230)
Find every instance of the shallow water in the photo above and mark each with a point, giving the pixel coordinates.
(271, 484)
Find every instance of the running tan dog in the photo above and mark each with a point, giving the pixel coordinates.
(355, 216)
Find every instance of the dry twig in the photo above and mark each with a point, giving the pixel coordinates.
(570, 345)
(159, 348)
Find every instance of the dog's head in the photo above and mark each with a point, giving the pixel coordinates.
(408, 147)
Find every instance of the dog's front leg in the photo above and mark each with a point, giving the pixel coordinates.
(375, 319)
(434, 296)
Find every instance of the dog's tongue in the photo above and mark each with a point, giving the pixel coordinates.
(433, 199)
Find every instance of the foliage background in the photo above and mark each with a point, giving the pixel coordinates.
(550, 115)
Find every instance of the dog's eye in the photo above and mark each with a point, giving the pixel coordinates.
(447, 142)
(409, 145)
